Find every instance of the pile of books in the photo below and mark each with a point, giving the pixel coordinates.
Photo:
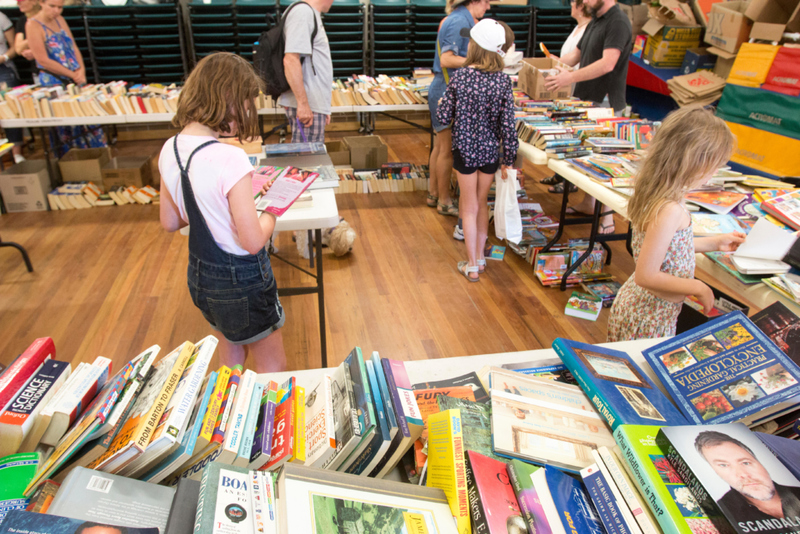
(549, 267)
(82, 195)
(390, 178)
(381, 90)
(587, 442)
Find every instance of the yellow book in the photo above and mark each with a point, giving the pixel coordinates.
(446, 469)
(214, 404)
(136, 432)
(300, 426)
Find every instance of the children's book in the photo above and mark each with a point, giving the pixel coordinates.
(620, 390)
(670, 501)
(726, 467)
(785, 208)
(285, 189)
(583, 306)
(715, 201)
(495, 252)
(723, 259)
(706, 224)
(606, 291)
(726, 370)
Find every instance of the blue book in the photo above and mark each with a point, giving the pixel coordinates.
(618, 388)
(726, 371)
(605, 504)
(787, 451)
(372, 454)
(385, 396)
(572, 502)
(248, 434)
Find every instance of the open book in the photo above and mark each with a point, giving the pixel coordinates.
(764, 249)
(288, 183)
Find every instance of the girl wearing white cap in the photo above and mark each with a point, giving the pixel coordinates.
(480, 103)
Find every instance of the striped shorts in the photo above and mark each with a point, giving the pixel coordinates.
(313, 134)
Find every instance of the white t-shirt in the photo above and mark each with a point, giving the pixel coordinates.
(572, 41)
(215, 169)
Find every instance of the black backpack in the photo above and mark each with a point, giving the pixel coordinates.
(268, 55)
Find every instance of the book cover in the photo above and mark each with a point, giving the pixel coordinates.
(345, 425)
(726, 370)
(470, 379)
(572, 502)
(495, 510)
(670, 501)
(619, 389)
(18, 521)
(23, 367)
(184, 507)
(224, 505)
(706, 224)
(320, 430)
(409, 418)
(248, 434)
(18, 419)
(782, 326)
(361, 400)
(519, 474)
(477, 417)
(607, 291)
(262, 495)
(16, 472)
(103, 498)
(786, 450)
(715, 201)
(723, 259)
(262, 440)
(285, 189)
(551, 369)
(583, 306)
(427, 404)
(299, 426)
(608, 509)
(785, 208)
(609, 463)
(733, 475)
(446, 469)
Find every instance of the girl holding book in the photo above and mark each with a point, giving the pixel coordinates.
(480, 103)
(208, 185)
(688, 148)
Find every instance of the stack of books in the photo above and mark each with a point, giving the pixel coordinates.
(390, 178)
(82, 195)
(381, 90)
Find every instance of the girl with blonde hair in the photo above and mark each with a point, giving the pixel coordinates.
(688, 148)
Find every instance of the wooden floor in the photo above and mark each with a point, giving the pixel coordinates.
(111, 282)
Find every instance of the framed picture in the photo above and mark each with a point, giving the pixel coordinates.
(612, 368)
(640, 404)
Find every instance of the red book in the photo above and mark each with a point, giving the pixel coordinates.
(227, 405)
(23, 367)
(140, 103)
(492, 501)
(283, 440)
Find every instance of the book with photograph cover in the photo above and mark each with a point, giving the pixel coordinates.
(551, 369)
(706, 224)
(225, 503)
(735, 477)
(782, 326)
(427, 405)
(477, 417)
(470, 379)
(519, 474)
(18, 521)
(493, 504)
(620, 390)
(726, 370)
(670, 501)
(786, 450)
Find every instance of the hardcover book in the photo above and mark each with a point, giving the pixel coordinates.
(551, 369)
(716, 201)
(726, 370)
(619, 389)
(782, 326)
(493, 504)
(520, 475)
(20, 521)
(446, 469)
(735, 477)
(224, 505)
(671, 502)
(23, 367)
(16, 472)
(583, 306)
(95, 496)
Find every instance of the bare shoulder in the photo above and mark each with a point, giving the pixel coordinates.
(671, 217)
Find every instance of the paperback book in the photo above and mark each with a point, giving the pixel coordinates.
(583, 306)
(520, 475)
(726, 370)
(18, 521)
(493, 504)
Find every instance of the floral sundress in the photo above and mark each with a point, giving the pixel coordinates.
(639, 314)
(60, 48)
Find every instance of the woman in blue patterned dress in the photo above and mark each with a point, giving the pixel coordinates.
(60, 62)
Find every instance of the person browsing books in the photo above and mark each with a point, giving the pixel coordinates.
(686, 151)
(755, 500)
(9, 76)
(208, 185)
(480, 103)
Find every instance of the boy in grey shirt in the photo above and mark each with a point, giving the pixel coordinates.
(309, 71)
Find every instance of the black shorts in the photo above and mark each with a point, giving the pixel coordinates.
(460, 166)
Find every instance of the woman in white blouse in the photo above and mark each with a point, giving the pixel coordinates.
(580, 12)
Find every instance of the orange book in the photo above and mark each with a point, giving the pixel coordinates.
(426, 402)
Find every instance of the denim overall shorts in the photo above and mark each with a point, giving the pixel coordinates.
(237, 294)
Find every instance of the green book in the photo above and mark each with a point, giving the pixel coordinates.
(477, 417)
(519, 474)
(671, 502)
(16, 472)
(224, 501)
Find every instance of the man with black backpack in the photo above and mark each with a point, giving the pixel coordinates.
(308, 69)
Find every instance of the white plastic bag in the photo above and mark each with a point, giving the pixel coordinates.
(507, 219)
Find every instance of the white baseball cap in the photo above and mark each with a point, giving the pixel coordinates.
(488, 34)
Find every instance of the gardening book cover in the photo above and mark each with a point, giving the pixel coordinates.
(726, 370)
(672, 503)
(735, 477)
(619, 389)
(520, 473)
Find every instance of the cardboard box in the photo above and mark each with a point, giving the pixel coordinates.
(366, 151)
(677, 33)
(697, 59)
(638, 15)
(661, 53)
(250, 146)
(532, 78)
(724, 64)
(728, 27)
(24, 186)
(84, 165)
(126, 171)
(701, 10)
(338, 152)
(771, 18)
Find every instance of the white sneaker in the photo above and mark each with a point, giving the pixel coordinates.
(458, 233)
(19, 158)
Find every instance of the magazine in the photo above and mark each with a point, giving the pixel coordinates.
(287, 186)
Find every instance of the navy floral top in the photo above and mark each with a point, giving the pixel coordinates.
(481, 107)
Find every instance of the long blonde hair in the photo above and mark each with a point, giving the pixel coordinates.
(691, 143)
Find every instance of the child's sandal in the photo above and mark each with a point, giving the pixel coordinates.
(449, 209)
(465, 269)
(481, 266)
(432, 201)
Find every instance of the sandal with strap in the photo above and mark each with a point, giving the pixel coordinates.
(481, 266)
(465, 269)
(551, 180)
(559, 188)
(449, 209)
(432, 201)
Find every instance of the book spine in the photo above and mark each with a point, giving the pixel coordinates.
(210, 419)
(579, 372)
(300, 426)
(252, 418)
(627, 493)
(394, 392)
(600, 494)
(524, 497)
(479, 522)
(30, 399)
(206, 502)
(233, 436)
(227, 405)
(18, 373)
